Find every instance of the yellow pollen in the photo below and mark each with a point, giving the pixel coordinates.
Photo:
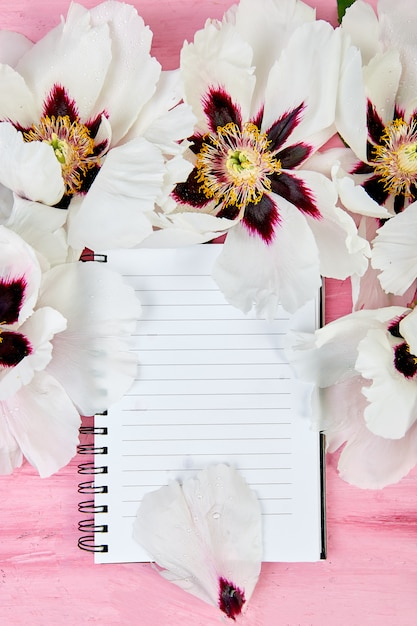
(395, 159)
(72, 145)
(234, 165)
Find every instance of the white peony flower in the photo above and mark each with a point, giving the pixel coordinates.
(263, 86)
(365, 369)
(64, 351)
(90, 125)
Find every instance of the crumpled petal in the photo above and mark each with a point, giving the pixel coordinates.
(206, 535)
(394, 251)
(29, 168)
(92, 357)
(45, 424)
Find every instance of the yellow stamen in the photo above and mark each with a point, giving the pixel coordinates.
(72, 145)
(395, 159)
(234, 165)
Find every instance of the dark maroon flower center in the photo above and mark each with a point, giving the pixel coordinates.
(13, 345)
(13, 348)
(404, 361)
(231, 598)
(73, 141)
(238, 167)
(391, 170)
(11, 299)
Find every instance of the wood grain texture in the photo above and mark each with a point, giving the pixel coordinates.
(370, 576)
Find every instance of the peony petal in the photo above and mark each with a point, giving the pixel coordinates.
(38, 329)
(18, 262)
(310, 64)
(370, 295)
(206, 536)
(394, 251)
(92, 357)
(11, 455)
(397, 31)
(354, 197)
(218, 59)
(380, 91)
(367, 460)
(350, 116)
(12, 47)
(392, 398)
(372, 462)
(132, 74)
(164, 120)
(328, 356)
(75, 55)
(361, 23)
(254, 275)
(267, 31)
(342, 251)
(41, 226)
(112, 214)
(16, 99)
(30, 169)
(186, 228)
(44, 422)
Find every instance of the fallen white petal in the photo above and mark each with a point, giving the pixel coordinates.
(206, 536)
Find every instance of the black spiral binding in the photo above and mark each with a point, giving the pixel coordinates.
(89, 526)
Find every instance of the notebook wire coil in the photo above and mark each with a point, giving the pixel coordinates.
(90, 527)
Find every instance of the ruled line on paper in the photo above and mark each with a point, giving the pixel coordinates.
(212, 386)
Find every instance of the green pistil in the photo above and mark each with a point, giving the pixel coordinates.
(59, 148)
(238, 161)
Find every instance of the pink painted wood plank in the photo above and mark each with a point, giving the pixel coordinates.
(370, 576)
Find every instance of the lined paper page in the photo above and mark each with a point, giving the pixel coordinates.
(212, 386)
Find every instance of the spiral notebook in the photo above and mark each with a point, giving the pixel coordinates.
(212, 386)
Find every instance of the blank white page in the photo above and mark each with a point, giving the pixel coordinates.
(212, 386)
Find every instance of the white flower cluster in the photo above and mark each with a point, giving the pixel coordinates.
(101, 149)
(364, 365)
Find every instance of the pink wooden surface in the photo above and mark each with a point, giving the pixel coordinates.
(370, 576)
